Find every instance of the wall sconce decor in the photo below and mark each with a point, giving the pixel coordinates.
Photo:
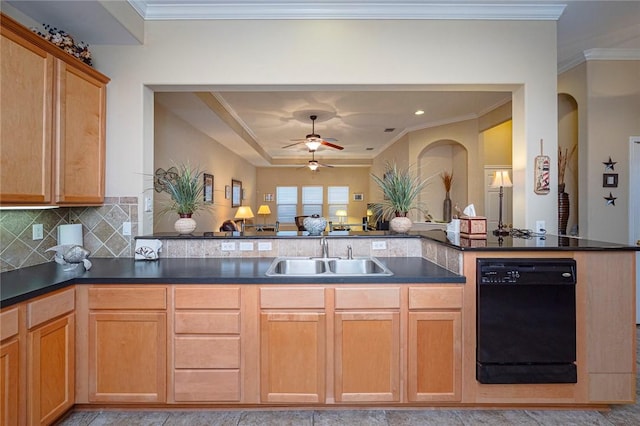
(611, 200)
(609, 165)
(610, 180)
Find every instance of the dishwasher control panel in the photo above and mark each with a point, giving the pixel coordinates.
(526, 271)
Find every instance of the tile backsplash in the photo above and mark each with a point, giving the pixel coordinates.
(101, 226)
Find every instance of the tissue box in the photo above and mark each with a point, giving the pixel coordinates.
(473, 227)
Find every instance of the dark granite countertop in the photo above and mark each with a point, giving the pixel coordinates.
(26, 283)
(519, 242)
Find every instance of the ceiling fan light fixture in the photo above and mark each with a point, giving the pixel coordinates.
(313, 165)
(313, 144)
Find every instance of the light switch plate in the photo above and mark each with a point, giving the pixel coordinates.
(264, 246)
(126, 228)
(246, 246)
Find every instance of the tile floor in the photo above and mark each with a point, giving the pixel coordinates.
(621, 416)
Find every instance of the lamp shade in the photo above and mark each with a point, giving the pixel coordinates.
(501, 178)
(341, 213)
(264, 210)
(313, 144)
(244, 212)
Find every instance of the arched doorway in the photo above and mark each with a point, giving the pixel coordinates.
(568, 149)
(437, 157)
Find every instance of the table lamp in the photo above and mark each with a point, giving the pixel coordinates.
(500, 180)
(264, 211)
(341, 215)
(244, 212)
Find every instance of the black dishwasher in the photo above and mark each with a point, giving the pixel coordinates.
(526, 321)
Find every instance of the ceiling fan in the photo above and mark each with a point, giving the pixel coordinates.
(315, 164)
(313, 140)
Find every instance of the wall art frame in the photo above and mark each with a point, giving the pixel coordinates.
(236, 193)
(609, 180)
(208, 188)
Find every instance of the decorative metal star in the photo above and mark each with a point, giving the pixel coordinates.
(611, 200)
(608, 165)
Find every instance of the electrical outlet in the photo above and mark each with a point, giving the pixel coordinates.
(246, 246)
(378, 245)
(264, 246)
(37, 231)
(148, 204)
(126, 228)
(228, 246)
(540, 227)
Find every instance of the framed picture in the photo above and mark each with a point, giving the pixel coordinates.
(268, 197)
(227, 192)
(610, 180)
(208, 188)
(236, 193)
(358, 196)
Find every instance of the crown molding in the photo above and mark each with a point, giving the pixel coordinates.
(600, 54)
(354, 9)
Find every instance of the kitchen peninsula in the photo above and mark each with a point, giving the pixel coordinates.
(204, 326)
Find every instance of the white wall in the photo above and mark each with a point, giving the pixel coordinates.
(187, 55)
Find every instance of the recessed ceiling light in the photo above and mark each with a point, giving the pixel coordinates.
(369, 148)
(389, 129)
(419, 112)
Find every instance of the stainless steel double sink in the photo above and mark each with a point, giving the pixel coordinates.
(326, 266)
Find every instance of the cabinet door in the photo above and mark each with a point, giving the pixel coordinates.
(26, 78)
(293, 355)
(50, 376)
(9, 383)
(127, 357)
(80, 136)
(435, 356)
(367, 357)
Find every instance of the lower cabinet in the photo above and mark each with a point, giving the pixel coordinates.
(51, 369)
(367, 357)
(434, 370)
(292, 357)
(206, 344)
(10, 368)
(127, 344)
(435, 356)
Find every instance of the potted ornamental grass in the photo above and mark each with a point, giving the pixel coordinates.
(400, 189)
(186, 187)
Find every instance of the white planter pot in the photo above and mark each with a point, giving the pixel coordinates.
(185, 225)
(400, 225)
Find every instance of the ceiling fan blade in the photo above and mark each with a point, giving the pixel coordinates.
(294, 144)
(331, 145)
(330, 139)
(325, 165)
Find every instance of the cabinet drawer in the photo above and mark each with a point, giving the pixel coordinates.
(368, 298)
(206, 385)
(283, 298)
(8, 323)
(128, 298)
(49, 307)
(207, 352)
(207, 298)
(435, 298)
(207, 322)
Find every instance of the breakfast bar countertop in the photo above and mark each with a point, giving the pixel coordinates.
(26, 283)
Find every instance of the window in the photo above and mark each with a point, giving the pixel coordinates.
(338, 199)
(287, 202)
(312, 200)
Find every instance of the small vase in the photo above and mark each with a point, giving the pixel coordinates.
(314, 224)
(563, 210)
(446, 209)
(185, 225)
(400, 224)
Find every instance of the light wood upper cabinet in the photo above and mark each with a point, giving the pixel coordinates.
(80, 136)
(26, 90)
(52, 125)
